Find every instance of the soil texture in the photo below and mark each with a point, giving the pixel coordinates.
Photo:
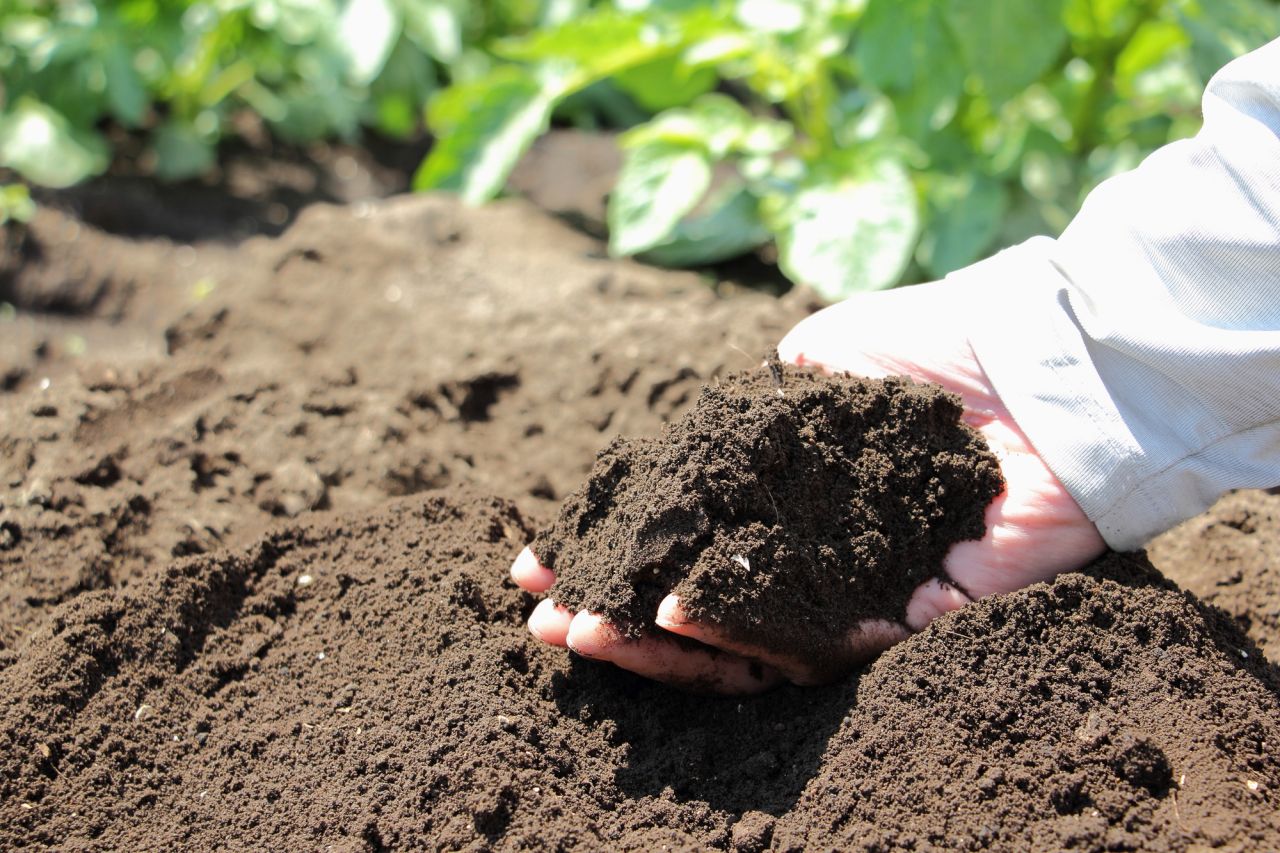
(258, 501)
(785, 507)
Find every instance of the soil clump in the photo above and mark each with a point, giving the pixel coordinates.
(785, 507)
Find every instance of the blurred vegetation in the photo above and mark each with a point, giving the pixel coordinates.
(180, 72)
(871, 141)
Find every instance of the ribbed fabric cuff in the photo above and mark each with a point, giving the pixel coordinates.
(1028, 342)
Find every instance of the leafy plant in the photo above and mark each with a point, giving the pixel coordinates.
(179, 72)
(872, 141)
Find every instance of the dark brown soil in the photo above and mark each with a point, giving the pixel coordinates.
(785, 507)
(241, 457)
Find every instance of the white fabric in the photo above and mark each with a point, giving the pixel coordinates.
(1140, 351)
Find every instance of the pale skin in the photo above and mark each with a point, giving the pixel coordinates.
(1035, 529)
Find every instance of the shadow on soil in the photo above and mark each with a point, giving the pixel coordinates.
(736, 754)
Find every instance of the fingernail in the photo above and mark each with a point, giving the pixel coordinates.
(589, 635)
(670, 613)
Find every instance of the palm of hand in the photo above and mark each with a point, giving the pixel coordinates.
(1034, 529)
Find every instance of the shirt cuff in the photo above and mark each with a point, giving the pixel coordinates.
(1033, 351)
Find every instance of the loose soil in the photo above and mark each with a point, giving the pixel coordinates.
(785, 507)
(257, 504)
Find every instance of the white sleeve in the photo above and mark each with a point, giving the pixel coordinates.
(1140, 352)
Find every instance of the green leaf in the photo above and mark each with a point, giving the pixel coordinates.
(966, 216)
(905, 47)
(597, 45)
(726, 226)
(717, 123)
(125, 92)
(40, 144)
(846, 233)
(368, 30)
(436, 26)
(182, 152)
(1008, 44)
(482, 129)
(660, 182)
(665, 83)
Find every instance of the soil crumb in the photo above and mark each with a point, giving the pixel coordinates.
(365, 681)
(786, 506)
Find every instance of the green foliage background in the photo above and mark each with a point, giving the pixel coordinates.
(871, 141)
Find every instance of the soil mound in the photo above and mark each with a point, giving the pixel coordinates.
(1227, 556)
(183, 399)
(366, 682)
(786, 506)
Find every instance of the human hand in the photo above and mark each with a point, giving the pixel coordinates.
(1035, 529)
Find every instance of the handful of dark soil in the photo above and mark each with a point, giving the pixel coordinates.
(786, 507)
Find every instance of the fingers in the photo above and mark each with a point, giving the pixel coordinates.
(930, 600)
(549, 622)
(531, 575)
(862, 643)
(671, 616)
(701, 669)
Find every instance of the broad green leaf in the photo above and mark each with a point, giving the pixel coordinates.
(714, 122)
(435, 25)
(1008, 44)
(966, 215)
(182, 152)
(726, 226)
(1099, 19)
(905, 48)
(40, 144)
(660, 182)
(717, 123)
(844, 234)
(597, 45)
(368, 30)
(665, 83)
(125, 91)
(482, 129)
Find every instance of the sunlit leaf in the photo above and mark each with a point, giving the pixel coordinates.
(40, 144)
(666, 82)
(368, 30)
(597, 45)
(482, 129)
(725, 226)
(660, 182)
(846, 233)
(966, 215)
(905, 47)
(435, 25)
(125, 92)
(1008, 44)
